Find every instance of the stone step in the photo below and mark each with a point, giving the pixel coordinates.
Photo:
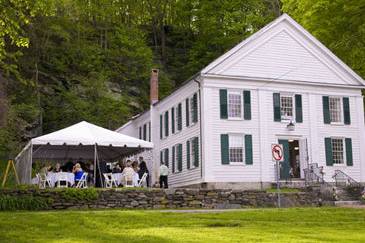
(347, 203)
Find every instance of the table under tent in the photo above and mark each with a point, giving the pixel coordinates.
(82, 140)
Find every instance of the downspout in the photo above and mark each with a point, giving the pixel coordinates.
(200, 127)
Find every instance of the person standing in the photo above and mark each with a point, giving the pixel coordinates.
(142, 170)
(164, 172)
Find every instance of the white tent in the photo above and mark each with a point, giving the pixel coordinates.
(82, 140)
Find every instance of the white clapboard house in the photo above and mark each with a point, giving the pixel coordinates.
(281, 85)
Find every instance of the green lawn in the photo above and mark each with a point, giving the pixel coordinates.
(263, 225)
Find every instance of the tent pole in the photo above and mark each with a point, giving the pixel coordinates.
(98, 164)
(95, 165)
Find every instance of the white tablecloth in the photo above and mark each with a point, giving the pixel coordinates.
(54, 177)
(119, 178)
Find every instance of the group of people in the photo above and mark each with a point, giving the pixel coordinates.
(135, 169)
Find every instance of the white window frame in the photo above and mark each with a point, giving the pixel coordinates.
(192, 157)
(191, 113)
(344, 164)
(163, 125)
(341, 122)
(176, 159)
(176, 119)
(292, 96)
(243, 148)
(236, 92)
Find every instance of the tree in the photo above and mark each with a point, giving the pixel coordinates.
(338, 24)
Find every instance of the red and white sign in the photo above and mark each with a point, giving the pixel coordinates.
(277, 152)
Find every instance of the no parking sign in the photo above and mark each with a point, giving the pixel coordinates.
(277, 152)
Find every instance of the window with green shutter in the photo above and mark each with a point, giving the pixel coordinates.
(247, 105)
(173, 159)
(172, 120)
(276, 105)
(179, 157)
(223, 103)
(328, 151)
(346, 111)
(161, 127)
(195, 108)
(196, 151)
(167, 157)
(224, 149)
(188, 154)
(166, 124)
(149, 131)
(145, 132)
(326, 110)
(248, 149)
(187, 112)
(298, 108)
(348, 143)
(179, 117)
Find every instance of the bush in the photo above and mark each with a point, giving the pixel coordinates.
(8, 203)
(87, 194)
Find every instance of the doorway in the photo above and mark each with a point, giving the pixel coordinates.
(290, 167)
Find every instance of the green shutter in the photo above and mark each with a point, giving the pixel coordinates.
(140, 133)
(298, 108)
(224, 149)
(179, 157)
(172, 120)
(179, 117)
(149, 131)
(196, 151)
(161, 156)
(328, 149)
(166, 123)
(195, 108)
(348, 143)
(326, 110)
(188, 154)
(173, 159)
(161, 130)
(223, 103)
(276, 102)
(247, 105)
(167, 157)
(145, 132)
(187, 112)
(248, 149)
(346, 111)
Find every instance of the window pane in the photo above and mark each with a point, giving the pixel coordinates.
(335, 109)
(235, 148)
(286, 107)
(234, 105)
(337, 151)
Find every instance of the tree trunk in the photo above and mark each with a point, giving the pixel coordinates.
(3, 101)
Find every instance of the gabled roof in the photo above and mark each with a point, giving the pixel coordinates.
(284, 50)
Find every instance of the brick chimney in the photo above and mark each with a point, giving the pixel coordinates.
(154, 86)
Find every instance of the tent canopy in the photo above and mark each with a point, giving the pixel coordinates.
(82, 140)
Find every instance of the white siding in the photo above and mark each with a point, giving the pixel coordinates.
(266, 132)
(185, 177)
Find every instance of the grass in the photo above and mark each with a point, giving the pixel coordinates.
(263, 225)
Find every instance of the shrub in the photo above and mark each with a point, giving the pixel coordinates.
(8, 203)
(87, 194)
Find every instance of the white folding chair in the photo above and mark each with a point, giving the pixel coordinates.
(142, 181)
(43, 181)
(62, 181)
(82, 183)
(109, 180)
(128, 180)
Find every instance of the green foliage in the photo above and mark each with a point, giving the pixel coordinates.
(337, 24)
(87, 194)
(8, 203)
